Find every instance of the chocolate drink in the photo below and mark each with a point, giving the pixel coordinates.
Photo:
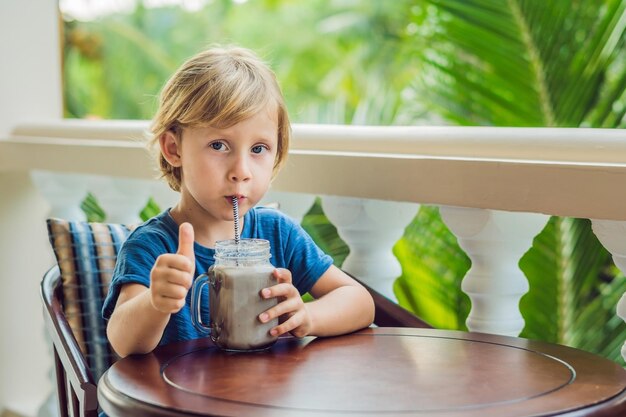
(235, 304)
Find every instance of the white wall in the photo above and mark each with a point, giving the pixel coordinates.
(30, 87)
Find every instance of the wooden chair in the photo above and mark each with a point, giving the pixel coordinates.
(76, 385)
(72, 297)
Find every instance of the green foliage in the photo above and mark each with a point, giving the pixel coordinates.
(150, 210)
(568, 251)
(432, 268)
(95, 213)
(92, 209)
(116, 65)
(324, 233)
(523, 63)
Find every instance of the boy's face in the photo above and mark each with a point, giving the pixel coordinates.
(217, 164)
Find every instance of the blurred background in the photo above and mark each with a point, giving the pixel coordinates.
(402, 62)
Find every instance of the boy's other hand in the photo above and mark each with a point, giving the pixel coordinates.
(172, 274)
(291, 310)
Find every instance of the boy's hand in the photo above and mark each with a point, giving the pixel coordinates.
(291, 310)
(172, 274)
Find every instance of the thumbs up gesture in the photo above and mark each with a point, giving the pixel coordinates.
(185, 241)
(172, 274)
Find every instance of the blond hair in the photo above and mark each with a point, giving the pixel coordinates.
(218, 87)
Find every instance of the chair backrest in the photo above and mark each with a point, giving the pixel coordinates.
(73, 293)
(76, 386)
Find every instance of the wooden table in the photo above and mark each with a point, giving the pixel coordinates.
(377, 371)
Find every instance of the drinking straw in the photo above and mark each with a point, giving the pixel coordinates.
(236, 216)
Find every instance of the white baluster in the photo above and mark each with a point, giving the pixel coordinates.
(294, 205)
(371, 228)
(121, 199)
(612, 235)
(494, 241)
(621, 312)
(64, 193)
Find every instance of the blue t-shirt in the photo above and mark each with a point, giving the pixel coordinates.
(291, 248)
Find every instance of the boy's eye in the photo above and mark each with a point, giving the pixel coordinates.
(259, 149)
(218, 145)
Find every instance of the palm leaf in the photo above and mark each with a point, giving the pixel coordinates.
(325, 233)
(92, 209)
(150, 210)
(563, 268)
(522, 63)
(432, 268)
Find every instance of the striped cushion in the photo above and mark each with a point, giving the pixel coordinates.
(86, 254)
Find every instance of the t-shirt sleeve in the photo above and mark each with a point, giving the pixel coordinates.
(306, 261)
(134, 262)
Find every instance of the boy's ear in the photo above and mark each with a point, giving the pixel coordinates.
(170, 148)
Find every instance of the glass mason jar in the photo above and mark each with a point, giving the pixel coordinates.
(235, 281)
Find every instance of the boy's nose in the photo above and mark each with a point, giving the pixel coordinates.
(240, 170)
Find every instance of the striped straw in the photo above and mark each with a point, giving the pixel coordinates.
(236, 216)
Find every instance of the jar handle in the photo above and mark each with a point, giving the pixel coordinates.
(196, 303)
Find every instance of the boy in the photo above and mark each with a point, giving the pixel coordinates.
(222, 131)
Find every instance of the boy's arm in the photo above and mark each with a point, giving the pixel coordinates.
(135, 325)
(342, 305)
(141, 314)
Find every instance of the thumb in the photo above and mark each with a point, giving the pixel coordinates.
(282, 275)
(185, 241)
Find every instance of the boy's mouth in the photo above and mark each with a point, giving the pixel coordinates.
(239, 197)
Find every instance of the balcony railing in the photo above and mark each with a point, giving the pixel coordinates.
(495, 187)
